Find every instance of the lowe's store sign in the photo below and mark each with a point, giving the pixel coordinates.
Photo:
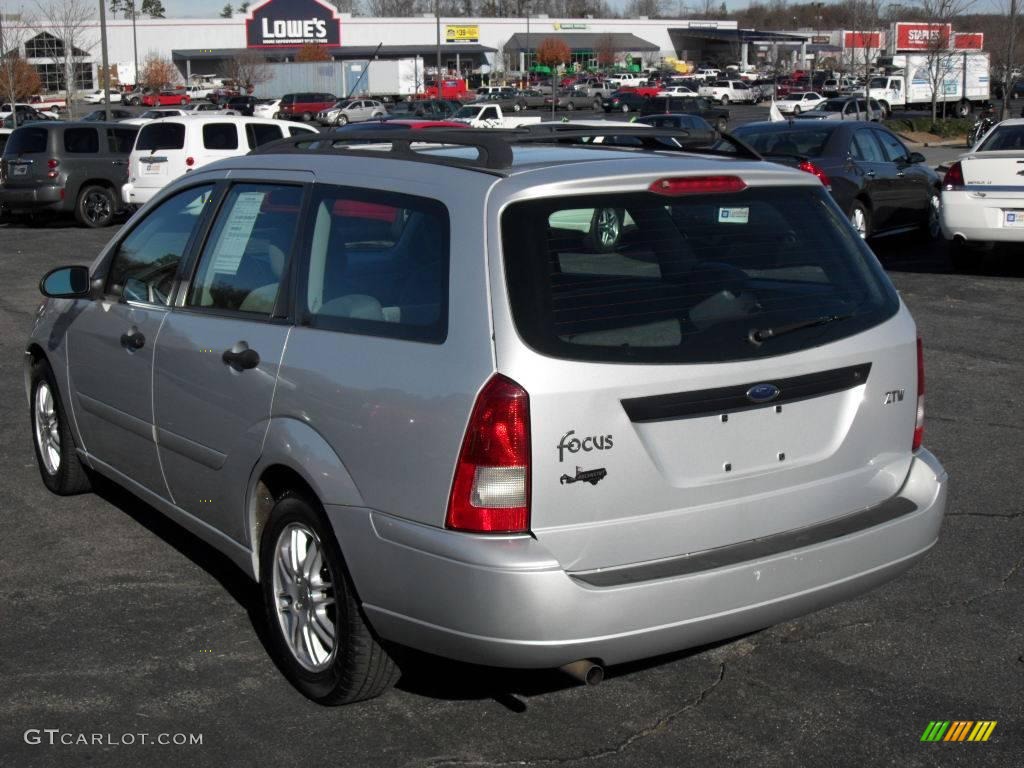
(291, 23)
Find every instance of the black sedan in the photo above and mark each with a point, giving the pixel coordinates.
(99, 115)
(878, 183)
(700, 130)
(688, 105)
(624, 101)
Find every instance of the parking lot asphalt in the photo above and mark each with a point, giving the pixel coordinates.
(115, 622)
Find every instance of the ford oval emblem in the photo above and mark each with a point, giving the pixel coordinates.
(763, 393)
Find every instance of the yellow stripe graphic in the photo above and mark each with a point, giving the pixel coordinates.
(979, 728)
(988, 731)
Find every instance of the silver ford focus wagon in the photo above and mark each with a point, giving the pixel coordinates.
(551, 397)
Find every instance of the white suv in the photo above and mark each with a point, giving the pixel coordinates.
(726, 91)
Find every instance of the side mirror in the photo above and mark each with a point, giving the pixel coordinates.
(915, 158)
(66, 283)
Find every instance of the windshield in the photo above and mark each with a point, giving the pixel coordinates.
(1007, 137)
(640, 278)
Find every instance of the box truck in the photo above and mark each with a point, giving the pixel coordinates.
(963, 76)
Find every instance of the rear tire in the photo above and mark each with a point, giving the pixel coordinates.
(306, 117)
(725, 101)
(721, 124)
(317, 630)
(860, 218)
(95, 207)
(60, 468)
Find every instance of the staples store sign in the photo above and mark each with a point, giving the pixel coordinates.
(291, 23)
(922, 37)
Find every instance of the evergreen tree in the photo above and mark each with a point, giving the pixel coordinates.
(228, 12)
(153, 8)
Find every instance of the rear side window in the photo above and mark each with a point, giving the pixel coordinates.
(642, 278)
(295, 130)
(1003, 137)
(120, 140)
(27, 141)
(377, 265)
(81, 141)
(220, 136)
(161, 136)
(258, 133)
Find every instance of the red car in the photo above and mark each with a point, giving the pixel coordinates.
(454, 89)
(304, 106)
(166, 99)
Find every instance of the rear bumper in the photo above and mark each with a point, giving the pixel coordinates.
(980, 220)
(32, 198)
(133, 195)
(504, 601)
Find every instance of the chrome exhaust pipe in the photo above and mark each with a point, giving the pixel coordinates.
(584, 671)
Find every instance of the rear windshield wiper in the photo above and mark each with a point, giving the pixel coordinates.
(759, 335)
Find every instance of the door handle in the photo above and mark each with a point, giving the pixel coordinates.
(119, 162)
(240, 357)
(869, 173)
(133, 340)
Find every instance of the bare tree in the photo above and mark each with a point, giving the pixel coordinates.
(158, 72)
(248, 69)
(939, 57)
(69, 22)
(1006, 57)
(14, 31)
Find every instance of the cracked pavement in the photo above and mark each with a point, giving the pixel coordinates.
(114, 620)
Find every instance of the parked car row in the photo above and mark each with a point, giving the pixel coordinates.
(95, 170)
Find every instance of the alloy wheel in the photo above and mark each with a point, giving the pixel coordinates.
(304, 587)
(47, 428)
(860, 222)
(934, 215)
(608, 227)
(97, 207)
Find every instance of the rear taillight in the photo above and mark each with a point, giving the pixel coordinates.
(491, 489)
(52, 165)
(919, 423)
(954, 178)
(809, 167)
(190, 161)
(696, 185)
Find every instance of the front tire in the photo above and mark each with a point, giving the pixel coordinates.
(341, 121)
(721, 124)
(796, 110)
(96, 207)
(725, 101)
(317, 630)
(59, 466)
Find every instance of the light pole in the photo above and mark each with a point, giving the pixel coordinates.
(105, 78)
(135, 49)
(526, 56)
(437, 16)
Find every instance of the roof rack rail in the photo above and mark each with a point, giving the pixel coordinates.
(494, 153)
(494, 145)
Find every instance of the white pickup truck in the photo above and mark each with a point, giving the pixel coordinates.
(726, 91)
(486, 115)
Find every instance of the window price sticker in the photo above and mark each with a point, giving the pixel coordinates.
(733, 215)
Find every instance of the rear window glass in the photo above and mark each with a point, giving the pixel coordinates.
(641, 278)
(220, 136)
(27, 141)
(799, 142)
(161, 136)
(1004, 137)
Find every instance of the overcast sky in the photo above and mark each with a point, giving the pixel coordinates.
(206, 9)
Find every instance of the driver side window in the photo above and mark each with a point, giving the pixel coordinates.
(146, 261)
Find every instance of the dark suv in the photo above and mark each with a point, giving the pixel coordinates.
(68, 167)
(304, 105)
(716, 116)
(243, 105)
